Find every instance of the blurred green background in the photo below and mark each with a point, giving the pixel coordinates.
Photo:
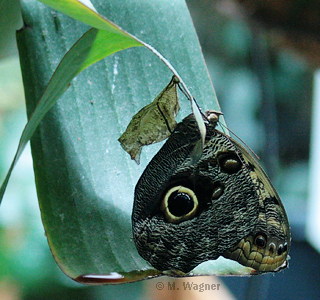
(265, 92)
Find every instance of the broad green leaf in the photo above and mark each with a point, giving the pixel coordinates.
(93, 46)
(81, 12)
(85, 181)
(10, 21)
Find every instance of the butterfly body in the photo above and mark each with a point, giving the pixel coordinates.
(188, 212)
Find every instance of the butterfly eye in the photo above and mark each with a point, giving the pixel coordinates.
(260, 241)
(179, 204)
(229, 162)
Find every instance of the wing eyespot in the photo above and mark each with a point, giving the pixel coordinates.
(280, 249)
(179, 204)
(218, 190)
(229, 162)
(260, 241)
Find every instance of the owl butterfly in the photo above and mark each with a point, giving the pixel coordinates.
(187, 212)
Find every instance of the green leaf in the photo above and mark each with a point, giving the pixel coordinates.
(93, 46)
(10, 20)
(81, 12)
(85, 181)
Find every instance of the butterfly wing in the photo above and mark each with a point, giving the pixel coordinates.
(186, 213)
(268, 248)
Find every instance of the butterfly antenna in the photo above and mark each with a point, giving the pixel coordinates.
(240, 141)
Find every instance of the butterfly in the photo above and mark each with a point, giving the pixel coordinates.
(187, 212)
